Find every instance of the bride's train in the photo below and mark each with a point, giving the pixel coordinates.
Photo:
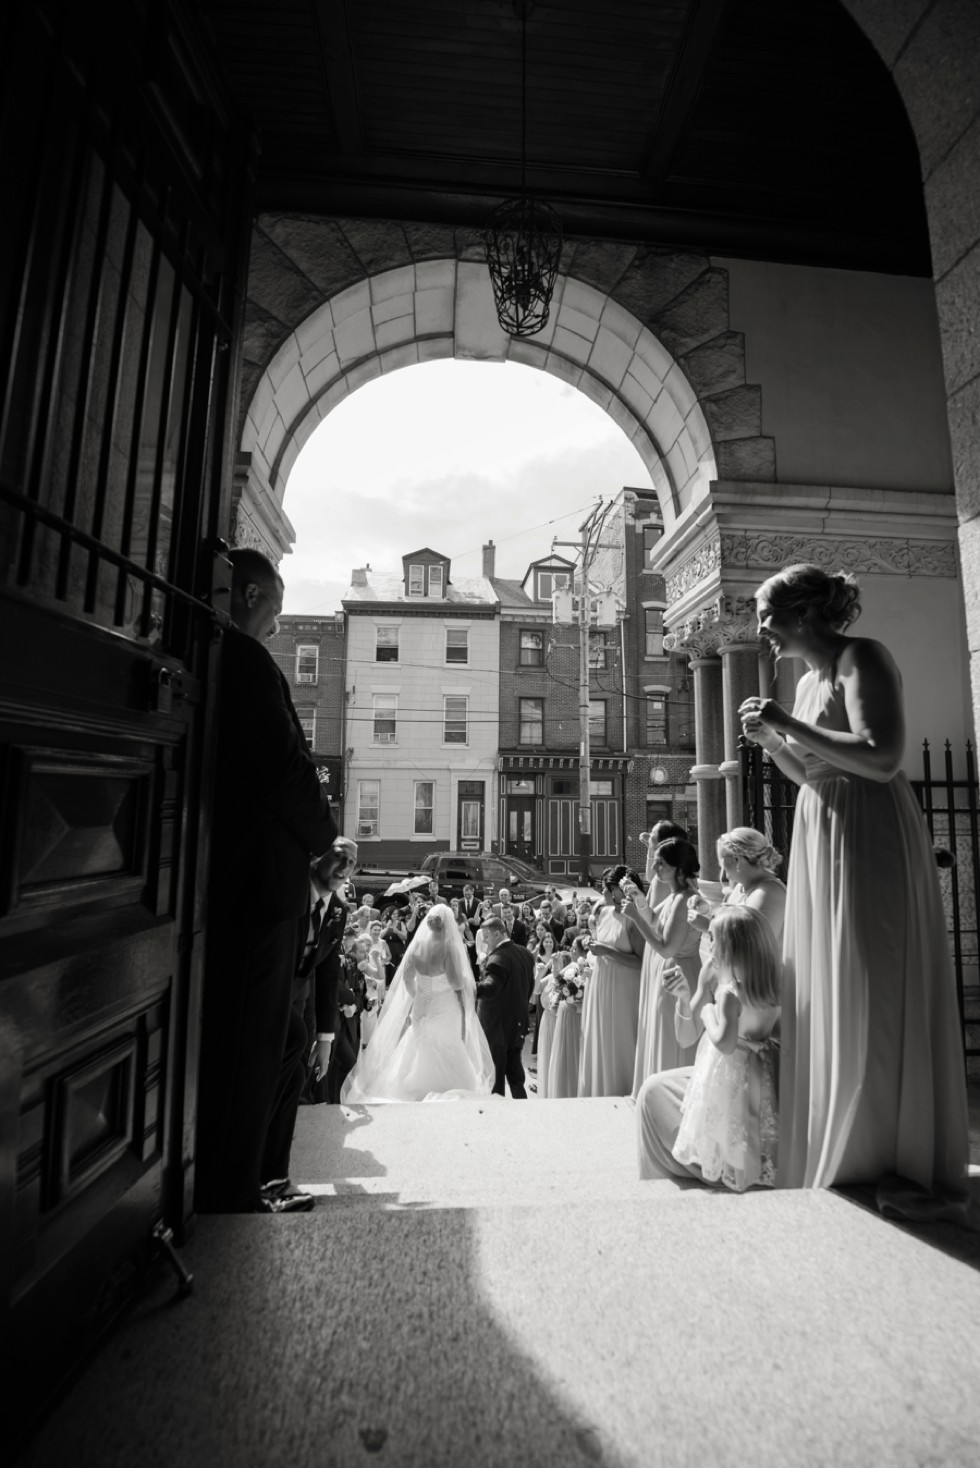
(428, 1044)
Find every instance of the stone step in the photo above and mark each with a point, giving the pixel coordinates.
(471, 1153)
(781, 1330)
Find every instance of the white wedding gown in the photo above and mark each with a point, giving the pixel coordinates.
(441, 1053)
(429, 1044)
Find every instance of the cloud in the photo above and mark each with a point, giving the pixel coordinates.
(449, 454)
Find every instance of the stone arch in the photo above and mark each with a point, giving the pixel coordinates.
(932, 49)
(444, 308)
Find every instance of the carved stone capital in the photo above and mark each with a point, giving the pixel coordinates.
(726, 622)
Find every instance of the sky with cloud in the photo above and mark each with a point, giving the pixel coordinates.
(450, 455)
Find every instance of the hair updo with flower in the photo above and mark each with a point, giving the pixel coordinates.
(434, 921)
(751, 845)
(834, 599)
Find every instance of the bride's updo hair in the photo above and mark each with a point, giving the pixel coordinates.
(750, 845)
(833, 599)
(434, 921)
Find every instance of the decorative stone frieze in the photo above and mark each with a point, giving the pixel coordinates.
(707, 558)
(883, 556)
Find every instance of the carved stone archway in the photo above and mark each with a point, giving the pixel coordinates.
(441, 309)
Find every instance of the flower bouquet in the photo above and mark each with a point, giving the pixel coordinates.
(568, 987)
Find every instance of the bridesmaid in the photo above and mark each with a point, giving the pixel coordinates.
(566, 1042)
(612, 997)
(670, 941)
(748, 863)
(871, 1086)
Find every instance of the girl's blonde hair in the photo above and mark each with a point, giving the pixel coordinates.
(743, 943)
(750, 845)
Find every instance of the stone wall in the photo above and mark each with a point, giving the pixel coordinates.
(932, 48)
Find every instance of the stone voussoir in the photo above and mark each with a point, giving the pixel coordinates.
(746, 458)
(734, 414)
(317, 247)
(697, 315)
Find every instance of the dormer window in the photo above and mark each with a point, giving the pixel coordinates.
(426, 580)
(548, 582)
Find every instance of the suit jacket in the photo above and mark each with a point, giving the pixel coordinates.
(271, 814)
(328, 966)
(504, 993)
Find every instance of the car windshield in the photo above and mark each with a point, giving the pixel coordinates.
(522, 869)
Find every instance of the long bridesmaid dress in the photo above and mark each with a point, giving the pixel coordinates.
(871, 1078)
(657, 1048)
(566, 1053)
(609, 1013)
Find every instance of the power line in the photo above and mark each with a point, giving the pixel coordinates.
(455, 555)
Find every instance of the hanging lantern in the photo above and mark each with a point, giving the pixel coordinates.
(523, 238)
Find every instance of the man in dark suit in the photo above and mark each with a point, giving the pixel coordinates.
(510, 916)
(471, 908)
(313, 1023)
(270, 815)
(503, 995)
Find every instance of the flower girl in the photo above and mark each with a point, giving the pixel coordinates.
(729, 1120)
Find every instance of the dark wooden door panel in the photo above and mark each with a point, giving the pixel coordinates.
(123, 257)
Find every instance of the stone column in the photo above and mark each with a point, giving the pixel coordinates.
(735, 618)
(700, 640)
(709, 717)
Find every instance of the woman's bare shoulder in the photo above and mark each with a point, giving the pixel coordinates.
(865, 655)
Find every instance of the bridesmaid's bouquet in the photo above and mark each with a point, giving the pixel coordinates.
(568, 987)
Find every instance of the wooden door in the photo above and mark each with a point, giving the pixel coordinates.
(520, 840)
(123, 243)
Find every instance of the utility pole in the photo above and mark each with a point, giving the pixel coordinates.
(591, 527)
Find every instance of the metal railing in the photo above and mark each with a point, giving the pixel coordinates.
(951, 806)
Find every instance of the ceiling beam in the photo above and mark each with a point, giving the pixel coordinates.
(333, 27)
(684, 86)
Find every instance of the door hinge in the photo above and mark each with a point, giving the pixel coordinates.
(163, 1237)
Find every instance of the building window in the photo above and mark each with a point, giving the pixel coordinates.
(551, 581)
(457, 645)
(532, 650)
(598, 651)
(386, 650)
(307, 662)
(416, 581)
(657, 719)
(435, 581)
(455, 711)
(424, 797)
(651, 535)
(385, 718)
(307, 719)
(653, 626)
(600, 787)
(368, 807)
(597, 720)
(531, 721)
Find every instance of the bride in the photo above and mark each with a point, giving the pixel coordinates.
(429, 1043)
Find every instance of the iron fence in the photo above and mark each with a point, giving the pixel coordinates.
(951, 806)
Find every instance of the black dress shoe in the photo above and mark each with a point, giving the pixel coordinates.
(289, 1203)
(282, 1197)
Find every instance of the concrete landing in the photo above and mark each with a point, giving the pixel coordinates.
(471, 1153)
(790, 1330)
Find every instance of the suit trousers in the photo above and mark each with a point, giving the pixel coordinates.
(293, 1076)
(507, 1053)
(246, 1017)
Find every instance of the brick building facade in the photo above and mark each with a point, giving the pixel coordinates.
(311, 651)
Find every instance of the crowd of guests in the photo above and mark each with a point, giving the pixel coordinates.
(802, 1034)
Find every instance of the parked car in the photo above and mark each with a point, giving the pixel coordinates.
(453, 869)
